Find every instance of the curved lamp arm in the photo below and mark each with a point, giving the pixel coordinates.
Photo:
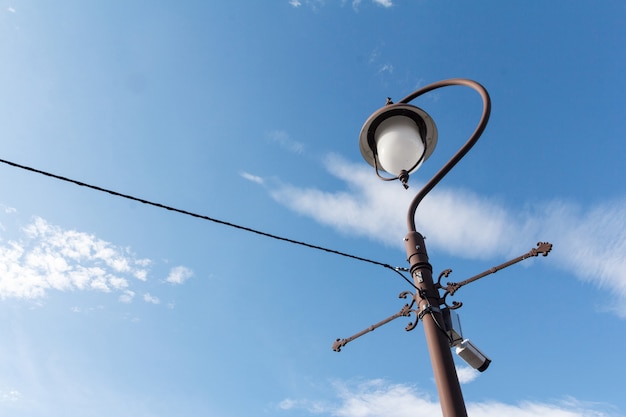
(461, 152)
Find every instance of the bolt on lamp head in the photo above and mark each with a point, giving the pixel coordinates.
(397, 139)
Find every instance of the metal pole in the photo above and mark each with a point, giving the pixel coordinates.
(428, 299)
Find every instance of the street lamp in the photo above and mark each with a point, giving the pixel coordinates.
(397, 139)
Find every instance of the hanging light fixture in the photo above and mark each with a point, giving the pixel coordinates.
(397, 139)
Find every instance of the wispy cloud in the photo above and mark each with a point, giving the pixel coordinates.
(12, 395)
(48, 258)
(386, 68)
(149, 298)
(381, 66)
(179, 274)
(459, 221)
(374, 55)
(378, 398)
(315, 4)
(590, 242)
(283, 139)
(467, 374)
(127, 296)
(384, 3)
(7, 209)
(251, 177)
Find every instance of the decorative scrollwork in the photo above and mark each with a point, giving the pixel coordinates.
(339, 343)
(407, 310)
(405, 294)
(449, 289)
(412, 324)
(455, 304)
(444, 273)
(543, 248)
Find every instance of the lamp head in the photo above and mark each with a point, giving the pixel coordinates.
(398, 138)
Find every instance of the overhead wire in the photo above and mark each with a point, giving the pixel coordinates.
(211, 219)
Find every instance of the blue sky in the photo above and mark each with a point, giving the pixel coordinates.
(249, 112)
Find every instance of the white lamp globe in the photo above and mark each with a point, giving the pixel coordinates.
(399, 145)
(397, 138)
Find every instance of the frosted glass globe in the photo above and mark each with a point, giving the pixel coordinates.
(399, 144)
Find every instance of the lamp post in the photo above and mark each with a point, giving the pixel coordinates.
(397, 139)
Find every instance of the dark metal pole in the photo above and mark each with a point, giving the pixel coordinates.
(428, 297)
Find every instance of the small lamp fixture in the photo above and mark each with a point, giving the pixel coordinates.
(397, 139)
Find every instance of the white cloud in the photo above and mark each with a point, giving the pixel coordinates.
(591, 244)
(283, 139)
(47, 258)
(99, 283)
(467, 374)
(384, 3)
(313, 4)
(7, 209)
(287, 404)
(118, 283)
(378, 398)
(375, 54)
(141, 274)
(127, 296)
(179, 274)
(386, 68)
(459, 221)
(149, 298)
(12, 395)
(251, 178)
(588, 242)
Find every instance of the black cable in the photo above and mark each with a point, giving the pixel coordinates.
(397, 271)
(429, 310)
(203, 217)
(441, 328)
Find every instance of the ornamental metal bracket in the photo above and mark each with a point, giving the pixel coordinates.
(543, 248)
(404, 312)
